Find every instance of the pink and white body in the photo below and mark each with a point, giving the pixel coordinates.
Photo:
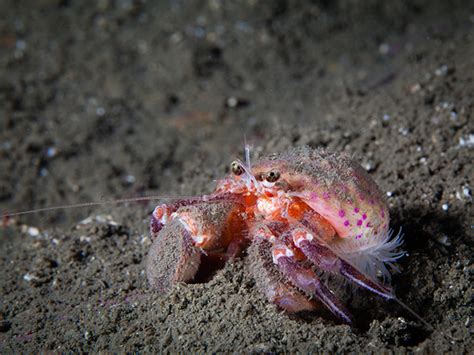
(298, 211)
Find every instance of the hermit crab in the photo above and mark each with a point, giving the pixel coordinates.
(300, 212)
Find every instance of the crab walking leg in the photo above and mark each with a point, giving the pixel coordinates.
(307, 281)
(269, 281)
(324, 258)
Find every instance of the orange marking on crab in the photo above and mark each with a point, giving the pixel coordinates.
(297, 209)
(300, 235)
(161, 213)
(249, 201)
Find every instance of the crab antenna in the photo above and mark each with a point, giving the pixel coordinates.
(96, 203)
(247, 149)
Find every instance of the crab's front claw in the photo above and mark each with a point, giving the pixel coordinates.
(205, 230)
(172, 258)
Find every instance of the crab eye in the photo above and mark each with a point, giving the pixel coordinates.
(236, 168)
(272, 176)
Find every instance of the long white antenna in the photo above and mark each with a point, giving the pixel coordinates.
(96, 203)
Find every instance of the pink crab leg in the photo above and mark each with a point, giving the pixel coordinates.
(327, 260)
(307, 281)
(268, 279)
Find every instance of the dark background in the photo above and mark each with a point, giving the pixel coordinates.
(110, 99)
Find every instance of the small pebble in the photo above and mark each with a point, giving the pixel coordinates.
(415, 88)
(442, 70)
(130, 179)
(403, 131)
(384, 48)
(369, 166)
(467, 142)
(444, 240)
(20, 45)
(29, 277)
(33, 231)
(100, 111)
(51, 152)
(176, 37)
(232, 101)
(466, 191)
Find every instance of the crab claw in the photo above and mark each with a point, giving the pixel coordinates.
(172, 258)
(208, 230)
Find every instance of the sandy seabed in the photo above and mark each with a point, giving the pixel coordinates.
(114, 99)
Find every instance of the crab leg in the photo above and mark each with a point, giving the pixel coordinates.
(323, 257)
(305, 279)
(269, 281)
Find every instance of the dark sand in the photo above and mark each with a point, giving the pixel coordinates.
(127, 98)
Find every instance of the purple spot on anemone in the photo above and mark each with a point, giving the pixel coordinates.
(359, 222)
(326, 196)
(372, 202)
(314, 195)
(364, 216)
(383, 214)
(346, 223)
(369, 224)
(356, 210)
(342, 213)
(358, 236)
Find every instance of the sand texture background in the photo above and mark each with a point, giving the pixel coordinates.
(111, 99)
